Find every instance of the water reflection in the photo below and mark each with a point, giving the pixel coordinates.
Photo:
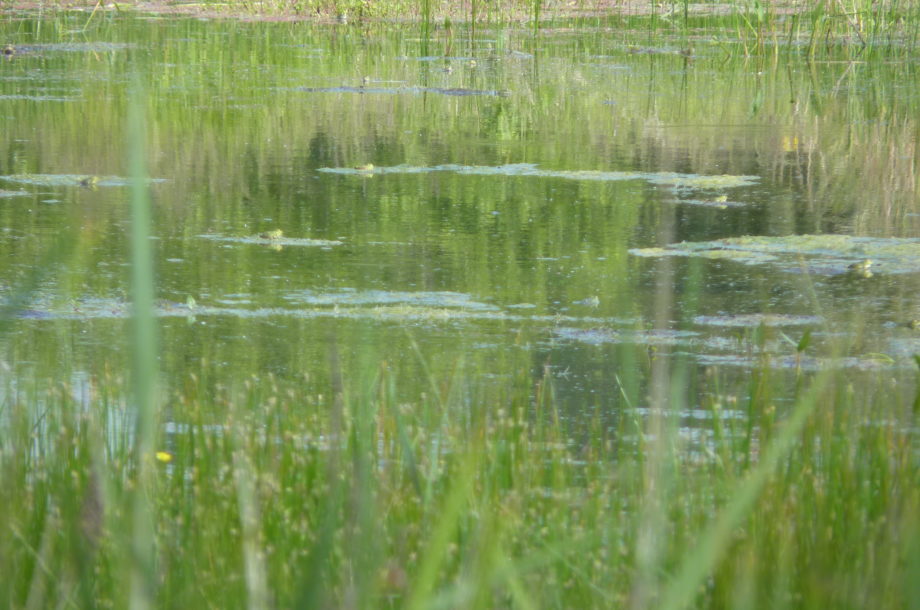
(518, 205)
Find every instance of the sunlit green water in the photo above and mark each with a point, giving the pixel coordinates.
(493, 201)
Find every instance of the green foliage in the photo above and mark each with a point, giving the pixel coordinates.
(275, 492)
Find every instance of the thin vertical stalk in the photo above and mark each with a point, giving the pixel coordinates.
(144, 363)
(658, 446)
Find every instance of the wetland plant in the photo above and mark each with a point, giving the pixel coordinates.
(281, 493)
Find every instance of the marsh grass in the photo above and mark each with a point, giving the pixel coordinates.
(144, 352)
(279, 494)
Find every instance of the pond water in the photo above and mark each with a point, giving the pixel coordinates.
(575, 204)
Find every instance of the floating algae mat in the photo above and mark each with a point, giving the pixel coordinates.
(753, 320)
(454, 91)
(274, 241)
(600, 336)
(820, 254)
(721, 203)
(672, 179)
(71, 47)
(434, 299)
(82, 180)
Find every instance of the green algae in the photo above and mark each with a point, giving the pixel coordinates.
(68, 180)
(274, 241)
(73, 47)
(435, 300)
(365, 90)
(600, 336)
(718, 203)
(671, 179)
(757, 319)
(819, 254)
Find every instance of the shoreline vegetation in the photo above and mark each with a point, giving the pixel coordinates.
(268, 493)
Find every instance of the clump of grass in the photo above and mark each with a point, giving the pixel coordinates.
(354, 496)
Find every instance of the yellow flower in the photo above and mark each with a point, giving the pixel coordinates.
(164, 456)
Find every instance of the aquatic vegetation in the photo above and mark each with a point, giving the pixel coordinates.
(754, 320)
(276, 237)
(408, 90)
(438, 300)
(672, 179)
(517, 484)
(820, 254)
(592, 301)
(599, 336)
(81, 180)
(68, 47)
(720, 202)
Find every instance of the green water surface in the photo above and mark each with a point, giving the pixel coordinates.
(507, 203)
